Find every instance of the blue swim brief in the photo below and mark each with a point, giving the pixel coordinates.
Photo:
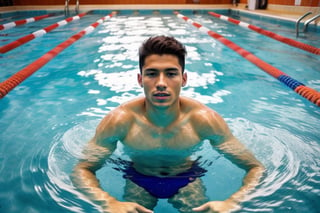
(164, 187)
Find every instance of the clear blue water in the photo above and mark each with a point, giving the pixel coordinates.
(46, 120)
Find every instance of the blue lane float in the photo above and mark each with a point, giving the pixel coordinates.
(290, 82)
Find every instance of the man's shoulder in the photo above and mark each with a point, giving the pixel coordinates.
(133, 106)
(195, 107)
(126, 112)
(200, 114)
(206, 122)
(120, 118)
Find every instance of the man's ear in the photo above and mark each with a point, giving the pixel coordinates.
(139, 77)
(184, 79)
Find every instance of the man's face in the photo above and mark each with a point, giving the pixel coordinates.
(162, 79)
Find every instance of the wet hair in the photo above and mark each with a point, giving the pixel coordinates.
(160, 45)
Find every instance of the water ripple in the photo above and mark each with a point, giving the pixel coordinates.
(292, 177)
(292, 166)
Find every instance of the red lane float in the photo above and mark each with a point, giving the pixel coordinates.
(27, 38)
(283, 39)
(308, 93)
(23, 21)
(13, 81)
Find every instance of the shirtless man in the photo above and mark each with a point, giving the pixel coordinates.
(160, 132)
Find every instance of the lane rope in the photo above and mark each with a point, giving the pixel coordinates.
(23, 21)
(13, 81)
(306, 92)
(25, 39)
(283, 39)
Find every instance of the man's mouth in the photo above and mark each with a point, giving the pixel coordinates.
(161, 95)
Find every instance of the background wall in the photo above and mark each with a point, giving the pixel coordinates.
(314, 3)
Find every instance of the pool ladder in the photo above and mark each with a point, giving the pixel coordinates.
(66, 7)
(306, 23)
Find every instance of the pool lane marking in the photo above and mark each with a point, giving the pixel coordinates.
(13, 81)
(23, 21)
(283, 39)
(306, 92)
(12, 45)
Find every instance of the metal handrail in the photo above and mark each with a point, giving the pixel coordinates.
(66, 7)
(305, 26)
(298, 22)
(77, 6)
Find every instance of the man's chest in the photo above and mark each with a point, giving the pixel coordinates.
(146, 137)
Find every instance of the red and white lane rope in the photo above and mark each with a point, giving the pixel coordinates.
(13, 81)
(306, 92)
(41, 32)
(283, 39)
(23, 21)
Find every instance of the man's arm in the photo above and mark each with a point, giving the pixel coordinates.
(95, 153)
(242, 157)
(238, 154)
(84, 177)
(228, 145)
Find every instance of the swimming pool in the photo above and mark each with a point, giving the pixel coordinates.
(48, 118)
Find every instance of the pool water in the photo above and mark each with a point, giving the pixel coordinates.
(46, 120)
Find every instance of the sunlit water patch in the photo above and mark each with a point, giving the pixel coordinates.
(280, 152)
(46, 121)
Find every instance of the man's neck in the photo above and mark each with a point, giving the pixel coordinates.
(162, 117)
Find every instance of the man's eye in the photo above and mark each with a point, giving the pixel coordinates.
(171, 74)
(150, 74)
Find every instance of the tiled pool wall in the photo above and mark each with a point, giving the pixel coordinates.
(292, 24)
(228, 12)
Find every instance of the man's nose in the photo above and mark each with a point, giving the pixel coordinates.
(161, 83)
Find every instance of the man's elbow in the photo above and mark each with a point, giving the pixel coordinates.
(258, 169)
(80, 171)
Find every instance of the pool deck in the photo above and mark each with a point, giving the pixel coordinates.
(291, 13)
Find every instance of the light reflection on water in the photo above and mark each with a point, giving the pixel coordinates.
(279, 127)
(276, 147)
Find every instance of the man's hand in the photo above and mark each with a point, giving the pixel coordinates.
(125, 207)
(217, 206)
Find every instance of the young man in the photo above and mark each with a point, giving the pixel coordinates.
(160, 132)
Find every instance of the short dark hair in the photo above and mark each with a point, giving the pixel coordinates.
(162, 45)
